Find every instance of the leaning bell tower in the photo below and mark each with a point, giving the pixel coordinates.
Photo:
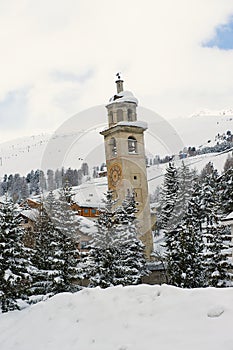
(125, 157)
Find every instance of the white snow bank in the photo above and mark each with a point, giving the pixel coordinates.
(129, 318)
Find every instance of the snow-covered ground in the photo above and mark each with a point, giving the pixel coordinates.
(129, 318)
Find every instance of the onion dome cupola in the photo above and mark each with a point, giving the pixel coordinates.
(122, 106)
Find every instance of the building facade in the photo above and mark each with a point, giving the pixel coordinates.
(125, 158)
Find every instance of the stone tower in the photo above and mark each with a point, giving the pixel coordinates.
(125, 157)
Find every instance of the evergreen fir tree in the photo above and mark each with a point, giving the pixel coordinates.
(184, 246)
(226, 191)
(216, 236)
(116, 255)
(168, 196)
(132, 260)
(182, 197)
(64, 219)
(45, 260)
(50, 179)
(66, 225)
(100, 264)
(67, 191)
(15, 268)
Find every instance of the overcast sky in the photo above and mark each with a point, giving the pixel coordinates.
(59, 57)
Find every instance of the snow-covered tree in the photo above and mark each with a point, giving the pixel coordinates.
(45, 259)
(116, 255)
(66, 224)
(15, 269)
(168, 196)
(216, 236)
(51, 180)
(226, 191)
(182, 196)
(64, 219)
(100, 264)
(184, 246)
(67, 192)
(132, 252)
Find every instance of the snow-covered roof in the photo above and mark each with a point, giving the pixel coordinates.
(123, 96)
(91, 193)
(35, 199)
(230, 216)
(31, 214)
(228, 220)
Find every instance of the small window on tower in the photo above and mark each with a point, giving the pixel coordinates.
(132, 145)
(113, 146)
(111, 118)
(119, 115)
(138, 194)
(130, 115)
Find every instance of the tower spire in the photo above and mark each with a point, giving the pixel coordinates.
(119, 83)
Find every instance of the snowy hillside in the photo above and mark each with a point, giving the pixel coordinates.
(198, 129)
(129, 318)
(155, 173)
(80, 140)
(92, 192)
(206, 112)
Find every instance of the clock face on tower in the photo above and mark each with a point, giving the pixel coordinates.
(115, 174)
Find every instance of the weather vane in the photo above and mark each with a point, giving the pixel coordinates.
(118, 75)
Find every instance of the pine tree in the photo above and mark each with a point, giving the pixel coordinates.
(15, 269)
(168, 196)
(216, 236)
(65, 220)
(132, 260)
(66, 225)
(184, 246)
(51, 180)
(45, 259)
(67, 191)
(100, 264)
(226, 191)
(182, 197)
(116, 255)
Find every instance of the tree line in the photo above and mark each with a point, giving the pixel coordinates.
(21, 187)
(223, 142)
(189, 212)
(54, 263)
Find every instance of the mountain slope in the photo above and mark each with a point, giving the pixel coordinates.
(72, 144)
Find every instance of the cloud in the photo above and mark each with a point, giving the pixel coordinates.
(223, 38)
(69, 51)
(13, 106)
(71, 77)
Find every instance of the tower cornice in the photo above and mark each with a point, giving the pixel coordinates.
(137, 128)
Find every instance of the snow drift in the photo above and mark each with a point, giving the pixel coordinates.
(129, 318)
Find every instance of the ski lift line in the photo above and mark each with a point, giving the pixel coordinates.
(27, 148)
(197, 161)
(80, 136)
